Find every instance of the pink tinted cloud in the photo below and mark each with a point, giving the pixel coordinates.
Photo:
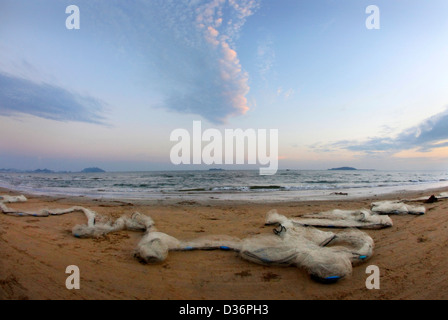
(210, 20)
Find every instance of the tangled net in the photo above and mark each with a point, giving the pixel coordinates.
(326, 256)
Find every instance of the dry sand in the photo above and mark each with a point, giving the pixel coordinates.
(34, 252)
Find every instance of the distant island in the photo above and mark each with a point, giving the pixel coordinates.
(349, 169)
(32, 171)
(43, 171)
(92, 170)
(216, 169)
(86, 170)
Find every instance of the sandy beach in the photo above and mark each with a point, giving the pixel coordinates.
(412, 255)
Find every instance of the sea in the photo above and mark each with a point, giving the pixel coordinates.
(243, 185)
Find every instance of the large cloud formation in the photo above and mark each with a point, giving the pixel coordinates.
(190, 45)
(18, 95)
(430, 134)
(185, 51)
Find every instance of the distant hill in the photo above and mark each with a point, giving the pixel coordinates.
(86, 170)
(27, 171)
(92, 170)
(343, 168)
(350, 169)
(43, 171)
(10, 170)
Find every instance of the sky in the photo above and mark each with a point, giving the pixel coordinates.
(110, 93)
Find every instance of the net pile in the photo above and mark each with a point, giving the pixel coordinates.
(326, 256)
(363, 219)
(374, 218)
(96, 225)
(41, 213)
(397, 207)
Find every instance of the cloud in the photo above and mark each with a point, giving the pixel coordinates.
(190, 46)
(265, 57)
(430, 134)
(285, 94)
(18, 95)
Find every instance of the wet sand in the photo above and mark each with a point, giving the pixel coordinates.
(412, 255)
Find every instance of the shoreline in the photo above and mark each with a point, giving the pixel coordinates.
(412, 255)
(271, 197)
(192, 186)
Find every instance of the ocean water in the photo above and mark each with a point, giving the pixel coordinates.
(225, 185)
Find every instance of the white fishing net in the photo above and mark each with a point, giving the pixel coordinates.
(363, 219)
(43, 212)
(375, 218)
(396, 207)
(326, 256)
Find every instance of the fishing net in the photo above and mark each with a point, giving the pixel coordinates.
(99, 226)
(396, 207)
(375, 218)
(326, 256)
(363, 219)
(43, 212)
